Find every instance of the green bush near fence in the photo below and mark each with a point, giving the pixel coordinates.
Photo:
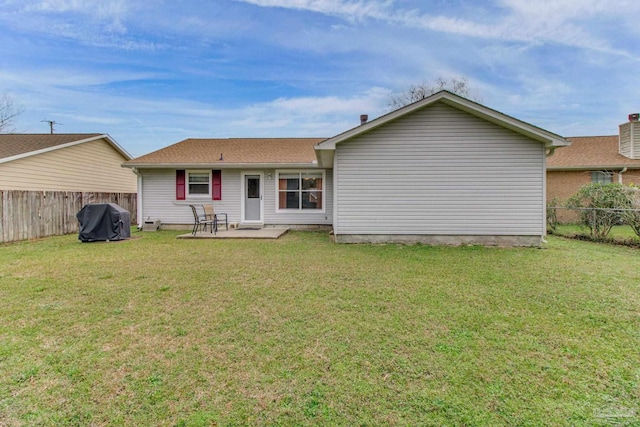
(603, 206)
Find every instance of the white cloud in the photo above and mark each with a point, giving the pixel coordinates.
(545, 21)
(113, 12)
(357, 9)
(91, 22)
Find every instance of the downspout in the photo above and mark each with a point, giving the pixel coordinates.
(139, 197)
(620, 175)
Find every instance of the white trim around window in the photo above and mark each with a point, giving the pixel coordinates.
(198, 180)
(301, 191)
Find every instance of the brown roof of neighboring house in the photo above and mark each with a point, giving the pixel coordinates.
(14, 144)
(590, 152)
(232, 151)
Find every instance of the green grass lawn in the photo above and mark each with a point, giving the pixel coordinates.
(301, 331)
(622, 233)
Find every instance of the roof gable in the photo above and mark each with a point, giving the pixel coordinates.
(17, 146)
(232, 152)
(550, 139)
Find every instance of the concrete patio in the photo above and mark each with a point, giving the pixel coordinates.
(238, 233)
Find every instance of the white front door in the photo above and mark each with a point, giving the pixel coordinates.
(252, 197)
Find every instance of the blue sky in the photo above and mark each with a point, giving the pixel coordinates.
(151, 73)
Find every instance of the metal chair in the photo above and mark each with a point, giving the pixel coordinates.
(200, 221)
(210, 214)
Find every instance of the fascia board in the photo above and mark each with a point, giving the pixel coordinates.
(590, 168)
(220, 166)
(117, 146)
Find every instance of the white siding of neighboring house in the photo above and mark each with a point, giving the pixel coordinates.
(93, 166)
(159, 199)
(440, 171)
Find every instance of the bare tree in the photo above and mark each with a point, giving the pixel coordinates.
(459, 86)
(9, 110)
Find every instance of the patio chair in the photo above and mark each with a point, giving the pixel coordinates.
(210, 214)
(200, 220)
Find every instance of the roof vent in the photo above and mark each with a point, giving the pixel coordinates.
(634, 117)
(363, 119)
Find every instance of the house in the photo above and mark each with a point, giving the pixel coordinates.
(441, 170)
(64, 162)
(603, 159)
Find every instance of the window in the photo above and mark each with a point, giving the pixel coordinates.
(300, 190)
(601, 177)
(199, 184)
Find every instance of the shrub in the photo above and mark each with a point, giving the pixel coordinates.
(601, 204)
(632, 217)
(552, 213)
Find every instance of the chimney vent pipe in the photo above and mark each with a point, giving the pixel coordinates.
(364, 118)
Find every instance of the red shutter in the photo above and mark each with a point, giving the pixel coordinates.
(216, 178)
(180, 185)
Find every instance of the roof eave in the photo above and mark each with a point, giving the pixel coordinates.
(325, 157)
(591, 167)
(117, 146)
(219, 165)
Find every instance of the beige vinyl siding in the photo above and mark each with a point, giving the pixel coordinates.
(92, 166)
(625, 140)
(629, 142)
(440, 171)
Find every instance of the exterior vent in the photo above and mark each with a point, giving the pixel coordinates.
(151, 224)
(364, 118)
(629, 137)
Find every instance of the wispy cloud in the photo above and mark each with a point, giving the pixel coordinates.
(351, 10)
(91, 22)
(545, 21)
(110, 12)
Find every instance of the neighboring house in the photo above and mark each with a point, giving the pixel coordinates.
(603, 159)
(441, 170)
(64, 162)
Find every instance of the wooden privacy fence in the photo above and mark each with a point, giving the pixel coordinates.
(33, 214)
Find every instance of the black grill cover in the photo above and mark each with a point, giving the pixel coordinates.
(105, 221)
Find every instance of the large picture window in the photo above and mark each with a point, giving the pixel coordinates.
(300, 190)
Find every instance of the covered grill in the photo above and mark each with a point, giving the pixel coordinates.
(103, 222)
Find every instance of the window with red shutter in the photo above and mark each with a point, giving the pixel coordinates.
(216, 178)
(180, 185)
